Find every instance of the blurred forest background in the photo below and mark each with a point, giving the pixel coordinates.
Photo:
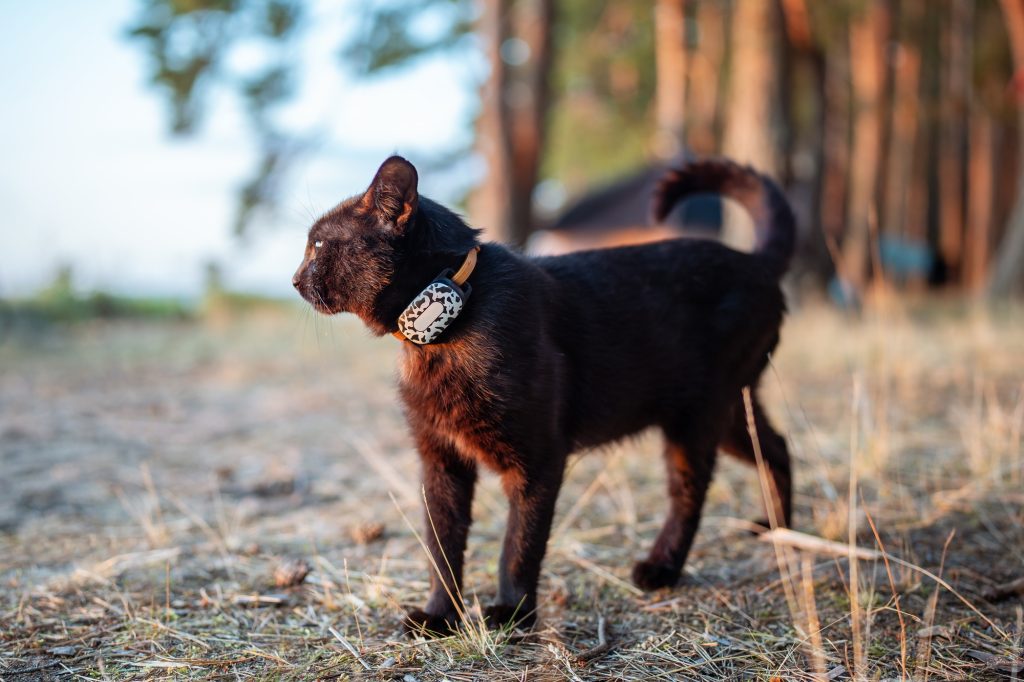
(895, 125)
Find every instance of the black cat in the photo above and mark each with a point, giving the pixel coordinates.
(552, 355)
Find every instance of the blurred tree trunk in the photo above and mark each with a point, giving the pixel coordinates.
(807, 114)
(928, 205)
(835, 162)
(1006, 144)
(704, 64)
(980, 199)
(900, 177)
(920, 227)
(754, 117)
(798, 24)
(794, 49)
(1008, 273)
(953, 152)
(512, 122)
(818, 259)
(869, 34)
(489, 204)
(670, 68)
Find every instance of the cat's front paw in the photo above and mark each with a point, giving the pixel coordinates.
(499, 616)
(419, 622)
(649, 576)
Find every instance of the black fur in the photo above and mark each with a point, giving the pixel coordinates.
(553, 355)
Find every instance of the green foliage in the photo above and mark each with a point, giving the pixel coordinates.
(221, 302)
(601, 116)
(188, 43)
(263, 188)
(59, 303)
(394, 34)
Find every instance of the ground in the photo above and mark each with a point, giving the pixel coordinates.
(165, 484)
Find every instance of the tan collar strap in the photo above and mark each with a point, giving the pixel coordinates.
(459, 278)
(463, 273)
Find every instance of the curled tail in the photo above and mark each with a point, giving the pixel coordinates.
(774, 222)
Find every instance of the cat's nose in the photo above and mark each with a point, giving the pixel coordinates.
(295, 281)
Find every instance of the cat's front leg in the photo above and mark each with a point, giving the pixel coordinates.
(532, 498)
(448, 482)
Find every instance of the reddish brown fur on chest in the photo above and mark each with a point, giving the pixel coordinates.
(446, 389)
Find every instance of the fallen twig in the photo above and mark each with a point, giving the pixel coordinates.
(1005, 590)
(33, 669)
(603, 645)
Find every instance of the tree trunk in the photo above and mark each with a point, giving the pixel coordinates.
(806, 114)
(753, 120)
(816, 258)
(798, 24)
(529, 112)
(703, 126)
(670, 68)
(835, 162)
(903, 137)
(489, 204)
(980, 200)
(512, 121)
(1008, 274)
(868, 37)
(952, 155)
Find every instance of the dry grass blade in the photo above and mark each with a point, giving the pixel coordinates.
(817, 652)
(382, 466)
(351, 649)
(859, 663)
(816, 545)
(785, 561)
(895, 597)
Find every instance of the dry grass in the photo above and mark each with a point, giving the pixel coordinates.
(157, 481)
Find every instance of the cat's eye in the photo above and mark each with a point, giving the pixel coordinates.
(317, 244)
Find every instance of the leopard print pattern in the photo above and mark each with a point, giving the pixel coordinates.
(422, 329)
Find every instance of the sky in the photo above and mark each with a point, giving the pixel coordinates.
(89, 175)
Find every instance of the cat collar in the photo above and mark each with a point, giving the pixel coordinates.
(437, 306)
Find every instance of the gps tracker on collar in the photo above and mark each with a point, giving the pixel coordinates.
(433, 309)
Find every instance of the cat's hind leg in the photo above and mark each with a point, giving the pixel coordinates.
(737, 442)
(690, 461)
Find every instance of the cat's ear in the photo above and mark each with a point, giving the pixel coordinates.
(392, 195)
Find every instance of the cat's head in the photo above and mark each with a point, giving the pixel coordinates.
(352, 251)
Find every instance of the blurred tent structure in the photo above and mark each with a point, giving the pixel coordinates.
(618, 213)
(897, 126)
